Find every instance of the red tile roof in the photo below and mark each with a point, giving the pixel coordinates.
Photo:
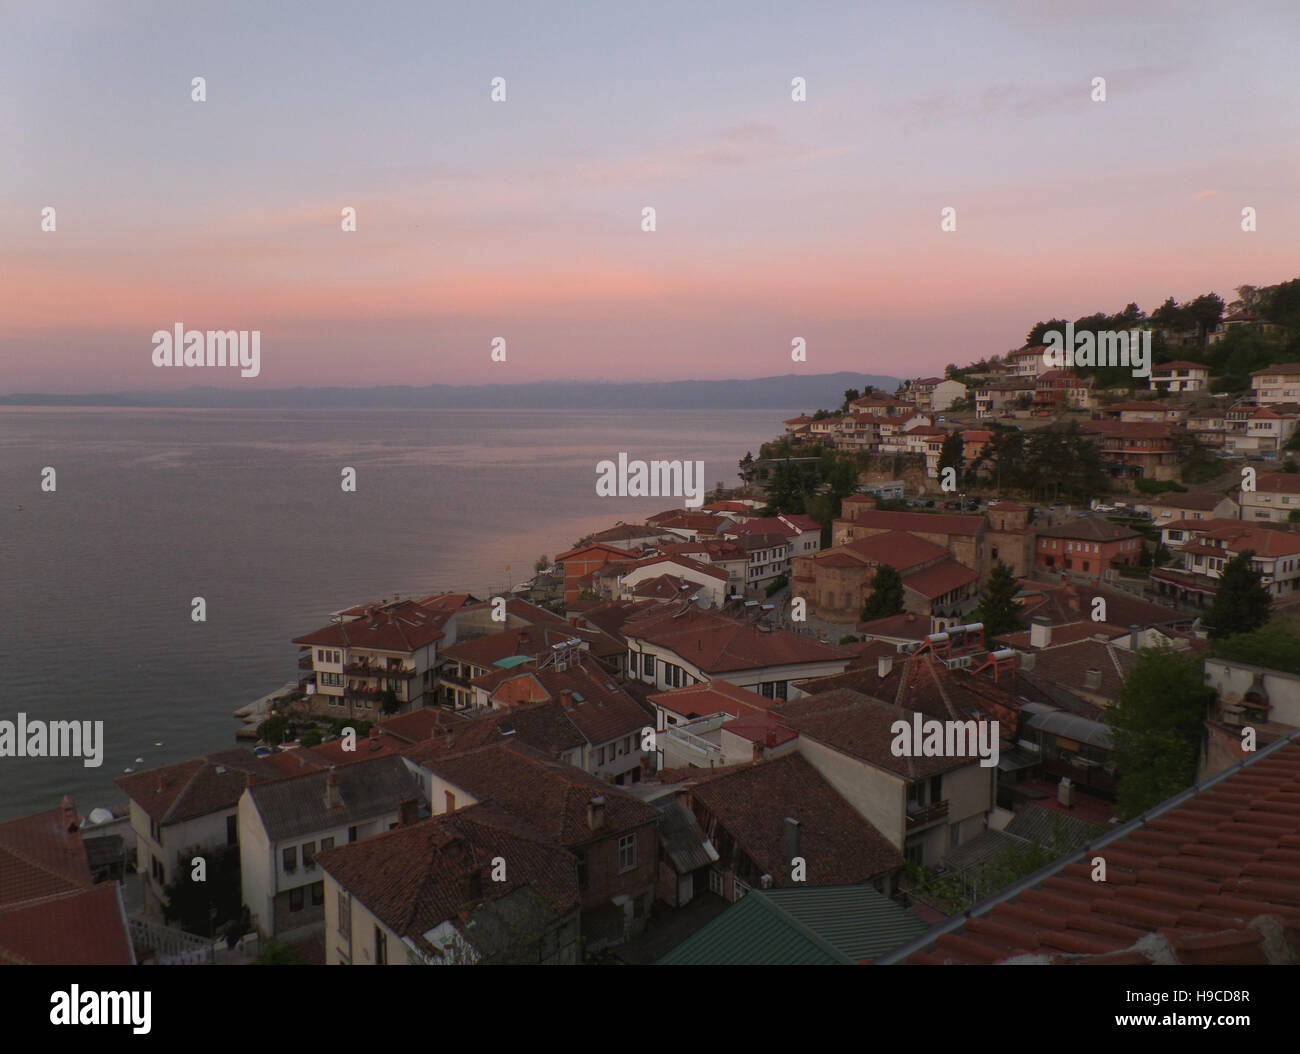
(718, 645)
(42, 854)
(751, 802)
(415, 878)
(79, 927)
(187, 790)
(1210, 877)
(711, 697)
(918, 522)
(549, 795)
(403, 626)
(940, 579)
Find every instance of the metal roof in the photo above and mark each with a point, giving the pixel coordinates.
(682, 839)
(803, 925)
(1071, 726)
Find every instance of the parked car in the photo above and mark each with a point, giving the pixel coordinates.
(929, 504)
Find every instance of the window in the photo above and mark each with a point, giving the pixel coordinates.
(295, 899)
(291, 858)
(232, 829)
(627, 852)
(352, 834)
(451, 801)
(582, 868)
(317, 894)
(345, 915)
(600, 756)
(648, 665)
(155, 832)
(381, 947)
(326, 843)
(309, 855)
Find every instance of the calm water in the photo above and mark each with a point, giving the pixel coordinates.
(245, 509)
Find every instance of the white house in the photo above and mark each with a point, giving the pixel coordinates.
(283, 825)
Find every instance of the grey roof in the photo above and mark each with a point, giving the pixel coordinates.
(367, 789)
(800, 925)
(1018, 758)
(681, 837)
(1047, 827)
(1071, 726)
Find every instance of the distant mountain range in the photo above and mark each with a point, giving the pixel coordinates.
(794, 392)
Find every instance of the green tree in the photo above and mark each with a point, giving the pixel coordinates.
(1157, 728)
(997, 608)
(311, 738)
(1241, 603)
(542, 563)
(952, 456)
(886, 594)
(849, 395)
(1275, 646)
(273, 730)
(206, 907)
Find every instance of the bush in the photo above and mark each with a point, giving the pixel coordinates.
(777, 584)
(848, 638)
(1159, 486)
(311, 738)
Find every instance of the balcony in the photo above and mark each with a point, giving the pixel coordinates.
(372, 669)
(304, 661)
(926, 815)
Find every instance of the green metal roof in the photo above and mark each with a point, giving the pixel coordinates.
(800, 926)
(511, 661)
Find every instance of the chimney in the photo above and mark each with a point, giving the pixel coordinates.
(1092, 679)
(68, 812)
(885, 666)
(1134, 638)
(1040, 632)
(596, 812)
(1028, 660)
(791, 842)
(332, 797)
(566, 698)
(408, 812)
(1065, 792)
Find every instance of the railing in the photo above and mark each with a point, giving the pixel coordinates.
(361, 669)
(688, 742)
(927, 815)
(171, 947)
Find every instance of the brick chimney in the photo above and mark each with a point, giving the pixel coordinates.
(408, 812)
(333, 800)
(596, 812)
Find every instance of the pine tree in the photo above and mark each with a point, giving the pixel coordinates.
(1241, 603)
(998, 609)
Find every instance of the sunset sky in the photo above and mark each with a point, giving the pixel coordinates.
(521, 219)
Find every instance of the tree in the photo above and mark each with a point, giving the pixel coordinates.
(274, 729)
(886, 594)
(311, 738)
(998, 609)
(849, 395)
(389, 701)
(747, 468)
(952, 455)
(1241, 603)
(205, 908)
(1157, 728)
(1275, 646)
(542, 563)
